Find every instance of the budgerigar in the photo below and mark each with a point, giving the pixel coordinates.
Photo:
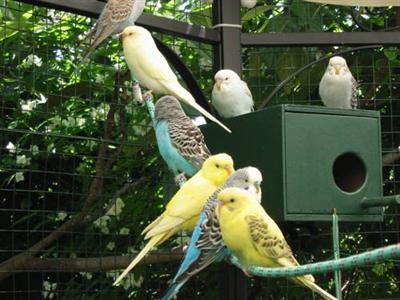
(206, 245)
(252, 236)
(152, 70)
(338, 88)
(183, 210)
(230, 96)
(116, 15)
(180, 141)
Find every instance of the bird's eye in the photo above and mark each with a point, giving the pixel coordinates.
(226, 78)
(232, 200)
(217, 165)
(130, 33)
(246, 180)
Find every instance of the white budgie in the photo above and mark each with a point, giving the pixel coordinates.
(338, 88)
(230, 96)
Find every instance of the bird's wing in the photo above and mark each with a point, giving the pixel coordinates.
(189, 141)
(247, 92)
(354, 102)
(246, 89)
(157, 68)
(268, 242)
(206, 246)
(114, 13)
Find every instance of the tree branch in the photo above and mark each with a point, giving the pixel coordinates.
(390, 158)
(95, 264)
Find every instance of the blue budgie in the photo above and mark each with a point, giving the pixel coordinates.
(206, 245)
(180, 141)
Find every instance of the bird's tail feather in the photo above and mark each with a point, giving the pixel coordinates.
(153, 242)
(311, 285)
(173, 290)
(188, 99)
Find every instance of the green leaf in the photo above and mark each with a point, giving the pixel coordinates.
(256, 11)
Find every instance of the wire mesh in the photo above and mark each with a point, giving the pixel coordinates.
(73, 143)
(77, 153)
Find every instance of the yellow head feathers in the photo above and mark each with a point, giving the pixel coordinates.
(233, 200)
(218, 168)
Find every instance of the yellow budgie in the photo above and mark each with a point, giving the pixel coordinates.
(183, 210)
(252, 235)
(152, 70)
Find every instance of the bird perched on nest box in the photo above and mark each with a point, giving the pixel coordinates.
(206, 245)
(152, 70)
(230, 95)
(115, 16)
(183, 210)
(338, 88)
(252, 235)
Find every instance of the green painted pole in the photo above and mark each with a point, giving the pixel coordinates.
(336, 253)
(355, 261)
(380, 201)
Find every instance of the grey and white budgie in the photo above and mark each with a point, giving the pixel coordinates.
(180, 141)
(338, 88)
(116, 15)
(230, 95)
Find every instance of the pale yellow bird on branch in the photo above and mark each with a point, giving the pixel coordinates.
(183, 210)
(254, 237)
(151, 69)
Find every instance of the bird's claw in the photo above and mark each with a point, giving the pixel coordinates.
(148, 96)
(137, 93)
(247, 273)
(180, 179)
(179, 249)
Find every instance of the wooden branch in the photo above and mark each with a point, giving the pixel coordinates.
(94, 264)
(390, 158)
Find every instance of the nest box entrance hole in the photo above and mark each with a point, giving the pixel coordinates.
(349, 172)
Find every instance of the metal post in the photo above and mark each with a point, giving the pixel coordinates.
(227, 54)
(336, 253)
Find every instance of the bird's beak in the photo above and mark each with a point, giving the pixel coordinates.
(218, 83)
(220, 203)
(337, 70)
(230, 170)
(121, 38)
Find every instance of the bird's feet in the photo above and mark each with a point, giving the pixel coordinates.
(180, 179)
(137, 93)
(182, 248)
(247, 273)
(148, 96)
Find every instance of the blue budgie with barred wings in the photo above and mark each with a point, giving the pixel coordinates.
(180, 142)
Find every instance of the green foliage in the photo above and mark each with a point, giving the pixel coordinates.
(53, 120)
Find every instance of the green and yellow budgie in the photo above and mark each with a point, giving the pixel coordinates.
(183, 210)
(251, 234)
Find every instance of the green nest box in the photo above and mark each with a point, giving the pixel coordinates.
(313, 159)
